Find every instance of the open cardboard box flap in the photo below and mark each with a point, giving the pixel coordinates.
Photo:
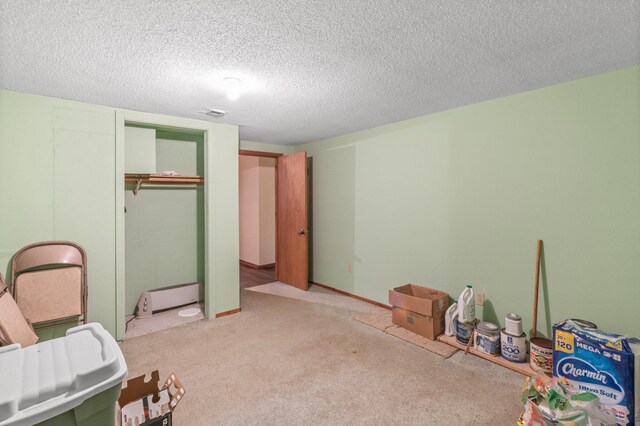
(138, 388)
(176, 390)
(14, 327)
(422, 300)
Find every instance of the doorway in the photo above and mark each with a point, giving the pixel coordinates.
(257, 211)
(285, 188)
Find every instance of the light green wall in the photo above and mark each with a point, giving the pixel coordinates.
(221, 211)
(58, 183)
(61, 177)
(462, 196)
(267, 147)
(164, 225)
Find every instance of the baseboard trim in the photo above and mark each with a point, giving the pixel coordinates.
(254, 266)
(227, 313)
(344, 293)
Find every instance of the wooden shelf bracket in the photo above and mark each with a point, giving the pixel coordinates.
(137, 187)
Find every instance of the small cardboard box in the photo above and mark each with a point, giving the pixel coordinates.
(144, 403)
(419, 309)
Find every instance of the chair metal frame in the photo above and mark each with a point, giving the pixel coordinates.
(45, 255)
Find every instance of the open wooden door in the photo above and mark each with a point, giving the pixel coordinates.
(292, 248)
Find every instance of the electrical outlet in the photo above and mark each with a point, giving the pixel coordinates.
(349, 267)
(480, 298)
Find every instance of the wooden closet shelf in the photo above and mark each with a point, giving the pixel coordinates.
(134, 178)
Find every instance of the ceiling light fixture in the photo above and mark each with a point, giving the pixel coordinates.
(232, 86)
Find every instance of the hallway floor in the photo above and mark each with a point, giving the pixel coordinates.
(250, 277)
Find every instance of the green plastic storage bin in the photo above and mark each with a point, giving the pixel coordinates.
(72, 380)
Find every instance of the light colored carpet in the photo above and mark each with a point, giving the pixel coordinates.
(316, 294)
(381, 319)
(284, 361)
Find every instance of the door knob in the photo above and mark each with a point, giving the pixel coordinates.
(300, 231)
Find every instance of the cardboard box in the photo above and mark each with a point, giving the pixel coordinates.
(14, 327)
(419, 309)
(144, 403)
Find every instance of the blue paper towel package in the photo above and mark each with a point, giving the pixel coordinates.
(604, 364)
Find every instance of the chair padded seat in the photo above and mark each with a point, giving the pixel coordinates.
(50, 294)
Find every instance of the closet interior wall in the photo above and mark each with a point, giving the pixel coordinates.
(164, 225)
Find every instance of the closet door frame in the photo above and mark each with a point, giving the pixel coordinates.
(221, 247)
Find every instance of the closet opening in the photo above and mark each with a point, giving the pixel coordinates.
(257, 210)
(164, 227)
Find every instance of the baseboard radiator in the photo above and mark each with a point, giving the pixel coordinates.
(161, 299)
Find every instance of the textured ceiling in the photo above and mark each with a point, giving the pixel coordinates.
(310, 69)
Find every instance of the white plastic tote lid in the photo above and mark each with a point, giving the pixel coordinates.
(44, 380)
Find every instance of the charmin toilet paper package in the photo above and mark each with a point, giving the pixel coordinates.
(635, 347)
(604, 364)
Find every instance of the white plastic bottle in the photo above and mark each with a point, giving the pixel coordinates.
(467, 305)
(450, 320)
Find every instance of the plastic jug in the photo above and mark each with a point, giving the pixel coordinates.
(467, 305)
(450, 320)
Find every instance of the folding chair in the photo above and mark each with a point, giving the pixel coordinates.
(14, 328)
(49, 283)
